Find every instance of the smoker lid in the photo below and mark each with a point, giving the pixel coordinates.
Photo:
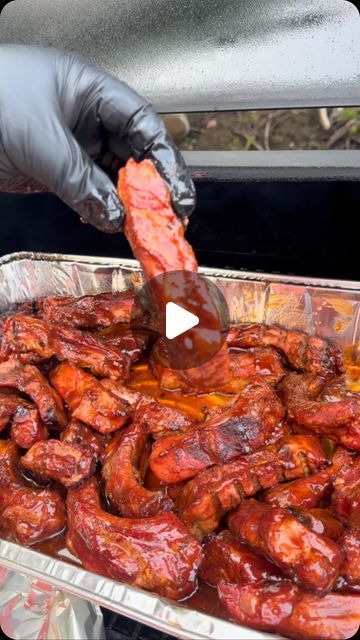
(197, 55)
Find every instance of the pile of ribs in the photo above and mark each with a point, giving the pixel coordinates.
(260, 498)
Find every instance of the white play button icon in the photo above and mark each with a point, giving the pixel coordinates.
(178, 320)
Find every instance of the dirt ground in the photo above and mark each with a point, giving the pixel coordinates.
(276, 129)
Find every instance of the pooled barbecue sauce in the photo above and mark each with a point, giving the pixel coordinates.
(142, 379)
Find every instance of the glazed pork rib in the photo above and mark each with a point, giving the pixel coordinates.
(346, 497)
(107, 405)
(155, 553)
(350, 568)
(123, 471)
(30, 514)
(29, 380)
(305, 493)
(130, 343)
(339, 420)
(285, 609)
(157, 239)
(266, 363)
(88, 400)
(225, 558)
(241, 428)
(81, 434)
(309, 559)
(157, 418)
(320, 521)
(303, 352)
(214, 491)
(87, 312)
(31, 335)
(57, 460)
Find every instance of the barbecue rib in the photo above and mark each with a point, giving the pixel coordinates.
(306, 493)
(32, 335)
(157, 418)
(87, 312)
(311, 560)
(320, 521)
(26, 424)
(303, 352)
(213, 492)
(29, 514)
(123, 471)
(239, 429)
(57, 460)
(156, 237)
(88, 400)
(346, 498)
(338, 420)
(29, 380)
(27, 428)
(350, 569)
(285, 609)
(156, 553)
(130, 343)
(78, 433)
(225, 558)
(266, 362)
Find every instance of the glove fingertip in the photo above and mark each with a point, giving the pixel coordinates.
(107, 214)
(184, 207)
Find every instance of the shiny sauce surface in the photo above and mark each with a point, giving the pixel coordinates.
(205, 599)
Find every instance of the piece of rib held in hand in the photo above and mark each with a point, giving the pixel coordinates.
(225, 558)
(346, 497)
(88, 400)
(26, 424)
(338, 420)
(123, 471)
(32, 335)
(239, 429)
(87, 312)
(27, 514)
(157, 553)
(303, 352)
(29, 380)
(287, 610)
(157, 239)
(214, 491)
(80, 434)
(310, 559)
(306, 493)
(57, 460)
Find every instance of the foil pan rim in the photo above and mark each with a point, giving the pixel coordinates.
(211, 271)
(147, 608)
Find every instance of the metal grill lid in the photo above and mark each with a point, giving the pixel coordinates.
(198, 55)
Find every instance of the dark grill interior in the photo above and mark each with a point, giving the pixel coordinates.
(289, 228)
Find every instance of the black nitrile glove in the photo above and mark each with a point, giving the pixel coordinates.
(64, 123)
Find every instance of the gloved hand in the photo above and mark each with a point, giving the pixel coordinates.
(66, 126)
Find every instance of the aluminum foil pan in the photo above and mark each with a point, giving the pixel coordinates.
(330, 308)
